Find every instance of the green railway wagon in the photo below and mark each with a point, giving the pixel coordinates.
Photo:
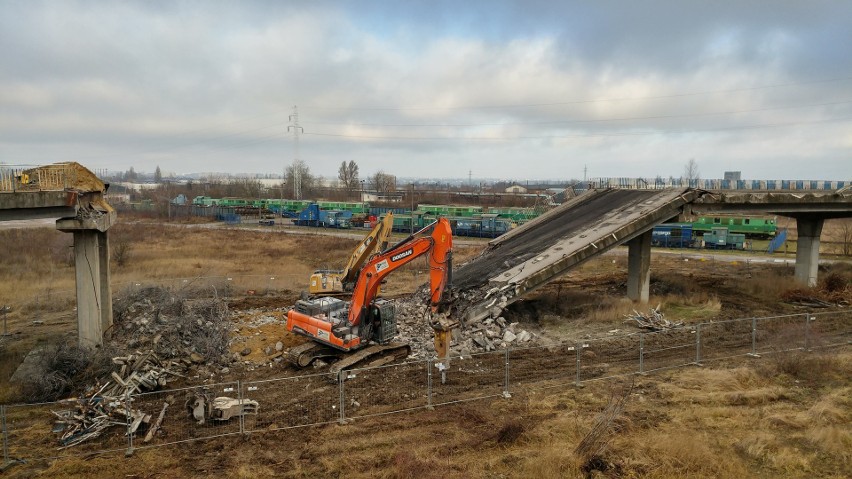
(753, 226)
(235, 202)
(450, 210)
(355, 207)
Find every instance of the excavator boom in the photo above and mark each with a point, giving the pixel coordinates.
(336, 282)
(349, 326)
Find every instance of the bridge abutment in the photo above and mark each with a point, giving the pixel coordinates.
(639, 267)
(807, 249)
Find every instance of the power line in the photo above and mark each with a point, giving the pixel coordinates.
(582, 101)
(601, 120)
(591, 135)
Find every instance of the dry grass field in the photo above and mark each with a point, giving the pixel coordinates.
(784, 415)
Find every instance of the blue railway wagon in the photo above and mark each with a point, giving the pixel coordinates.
(673, 235)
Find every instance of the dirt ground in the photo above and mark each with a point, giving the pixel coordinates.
(758, 416)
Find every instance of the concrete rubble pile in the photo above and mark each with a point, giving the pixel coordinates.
(488, 334)
(174, 327)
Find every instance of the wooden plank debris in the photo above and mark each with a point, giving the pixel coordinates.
(105, 407)
(653, 321)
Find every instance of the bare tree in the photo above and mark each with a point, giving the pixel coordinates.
(846, 238)
(348, 174)
(690, 171)
(383, 182)
(247, 188)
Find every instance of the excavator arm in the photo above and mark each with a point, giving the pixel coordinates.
(324, 320)
(377, 240)
(439, 246)
(331, 282)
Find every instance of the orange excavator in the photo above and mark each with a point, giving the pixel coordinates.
(366, 325)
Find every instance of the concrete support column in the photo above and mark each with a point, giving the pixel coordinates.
(106, 288)
(807, 250)
(639, 267)
(88, 271)
(91, 265)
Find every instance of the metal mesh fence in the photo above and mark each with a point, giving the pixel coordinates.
(781, 333)
(470, 377)
(398, 387)
(543, 366)
(668, 349)
(179, 424)
(608, 357)
(725, 339)
(31, 430)
(34, 427)
(293, 402)
(829, 329)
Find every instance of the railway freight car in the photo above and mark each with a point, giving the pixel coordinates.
(674, 235)
(751, 226)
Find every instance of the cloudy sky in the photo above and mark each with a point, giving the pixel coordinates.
(524, 90)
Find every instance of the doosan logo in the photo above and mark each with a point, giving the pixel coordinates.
(399, 256)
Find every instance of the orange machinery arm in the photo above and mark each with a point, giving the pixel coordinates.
(439, 244)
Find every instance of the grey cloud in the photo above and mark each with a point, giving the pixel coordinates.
(209, 85)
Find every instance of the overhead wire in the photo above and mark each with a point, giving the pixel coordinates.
(591, 135)
(580, 101)
(555, 122)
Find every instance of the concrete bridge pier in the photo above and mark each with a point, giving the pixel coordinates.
(91, 258)
(807, 250)
(639, 267)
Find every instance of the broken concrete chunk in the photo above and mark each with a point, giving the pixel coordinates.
(481, 341)
(508, 336)
(524, 336)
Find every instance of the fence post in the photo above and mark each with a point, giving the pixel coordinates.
(506, 393)
(429, 384)
(577, 348)
(641, 353)
(240, 399)
(698, 344)
(754, 338)
(5, 436)
(129, 413)
(341, 377)
(807, 331)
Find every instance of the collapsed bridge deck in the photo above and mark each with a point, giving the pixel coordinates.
(547, 247)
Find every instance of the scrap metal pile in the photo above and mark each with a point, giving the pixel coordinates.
(103, 406)
(111, 404)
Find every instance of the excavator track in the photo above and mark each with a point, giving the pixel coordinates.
(372, 356)
(304, 354)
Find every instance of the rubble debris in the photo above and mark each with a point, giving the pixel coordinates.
(91, 415)
(105, 405)
(653, 321)
(156, 427)
(174, 325)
